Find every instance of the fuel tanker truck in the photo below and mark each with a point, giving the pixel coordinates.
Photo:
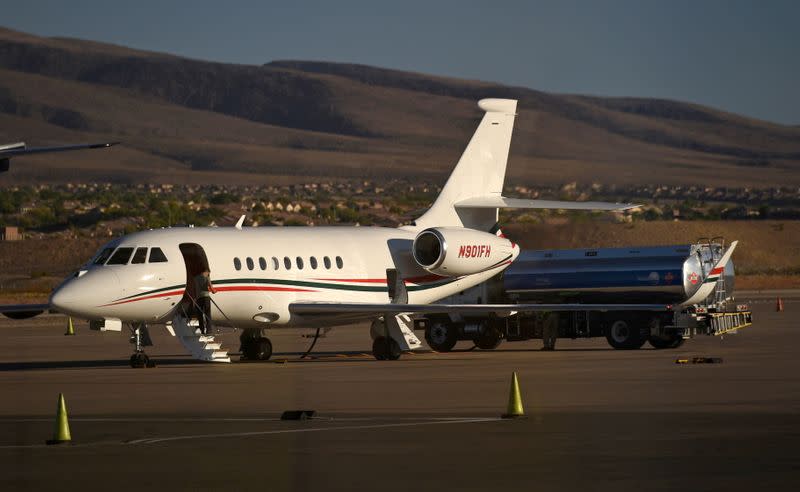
(695, 281)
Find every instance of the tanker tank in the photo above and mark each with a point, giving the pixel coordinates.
(660, 274)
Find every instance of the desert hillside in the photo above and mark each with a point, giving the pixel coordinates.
(194, 121)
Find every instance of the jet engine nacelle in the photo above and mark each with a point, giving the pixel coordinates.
(454, 251)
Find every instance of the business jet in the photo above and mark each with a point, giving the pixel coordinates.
(312, 277)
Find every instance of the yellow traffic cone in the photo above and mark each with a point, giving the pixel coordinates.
(62, 435)
(514, 400)
(70, 327)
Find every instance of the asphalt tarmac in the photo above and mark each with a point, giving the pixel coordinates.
(597, 419)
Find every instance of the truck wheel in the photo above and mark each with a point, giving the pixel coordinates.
(666, 341)
(624, 335)
(441, 335)
(490, 339)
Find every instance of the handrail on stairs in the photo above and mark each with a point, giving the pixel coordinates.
(197, 307)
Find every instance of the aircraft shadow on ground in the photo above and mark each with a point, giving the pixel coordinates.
(278, 357)
(88, 364)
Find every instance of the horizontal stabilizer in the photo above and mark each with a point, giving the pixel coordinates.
(498, 201)
(18, 149)
(22, 311)
(7, 151)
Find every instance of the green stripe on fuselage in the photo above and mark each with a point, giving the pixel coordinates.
(296, 283)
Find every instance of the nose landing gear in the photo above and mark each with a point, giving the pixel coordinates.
(140, 337)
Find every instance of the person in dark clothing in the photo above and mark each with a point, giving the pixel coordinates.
(550, 331)
(203, 290)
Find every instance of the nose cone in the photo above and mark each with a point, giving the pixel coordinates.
(82, 296)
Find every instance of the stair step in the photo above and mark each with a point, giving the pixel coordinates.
(201, 347)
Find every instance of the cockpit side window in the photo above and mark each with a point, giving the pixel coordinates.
(139, 256)
(103, 256)
(157, 256)
(120, 256)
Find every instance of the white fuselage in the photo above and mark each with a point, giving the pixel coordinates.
(314, 264)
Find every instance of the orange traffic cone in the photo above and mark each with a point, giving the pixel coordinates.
(779, 304)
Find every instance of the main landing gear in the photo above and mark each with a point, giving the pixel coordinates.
(386, 348)
(254, 346)
(140, 337)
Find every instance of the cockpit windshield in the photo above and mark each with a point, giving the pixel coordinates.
(120, 256)
(139, 256)
(103, 256)
(157, 256)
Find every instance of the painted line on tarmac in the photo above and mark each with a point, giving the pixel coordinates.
(145, 420)
(156, 440)
(230, 419)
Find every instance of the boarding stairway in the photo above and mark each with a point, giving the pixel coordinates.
(202, 347)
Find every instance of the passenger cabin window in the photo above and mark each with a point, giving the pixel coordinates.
(275, 263)
(237, 264)
(157, 256)
(262, 263)
(120, 256)
(103, 256)
(287, 263)
(140, 256)
(327, 262)
(299, 263)
(339, 262)
(250, 265)
(313, 261)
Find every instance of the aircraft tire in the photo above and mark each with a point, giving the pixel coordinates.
(257, 348)
(386, 349)
(441, 335)
(139, 360)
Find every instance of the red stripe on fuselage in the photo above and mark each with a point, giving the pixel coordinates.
(256, 287)
(218, 289)
(154, 296)
(364, 280)
(415, 280)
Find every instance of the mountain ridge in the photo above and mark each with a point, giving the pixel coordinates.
(189, 119)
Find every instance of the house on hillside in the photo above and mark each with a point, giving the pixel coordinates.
(10, 233)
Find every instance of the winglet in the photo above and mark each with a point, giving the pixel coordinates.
(240, 222)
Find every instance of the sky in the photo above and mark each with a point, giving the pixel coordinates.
(738, 56)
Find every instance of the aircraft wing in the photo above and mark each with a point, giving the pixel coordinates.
(363, 310)
(8, 151)
(23, 311)
(505, 202)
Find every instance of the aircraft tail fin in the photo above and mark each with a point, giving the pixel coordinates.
(480, 172)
